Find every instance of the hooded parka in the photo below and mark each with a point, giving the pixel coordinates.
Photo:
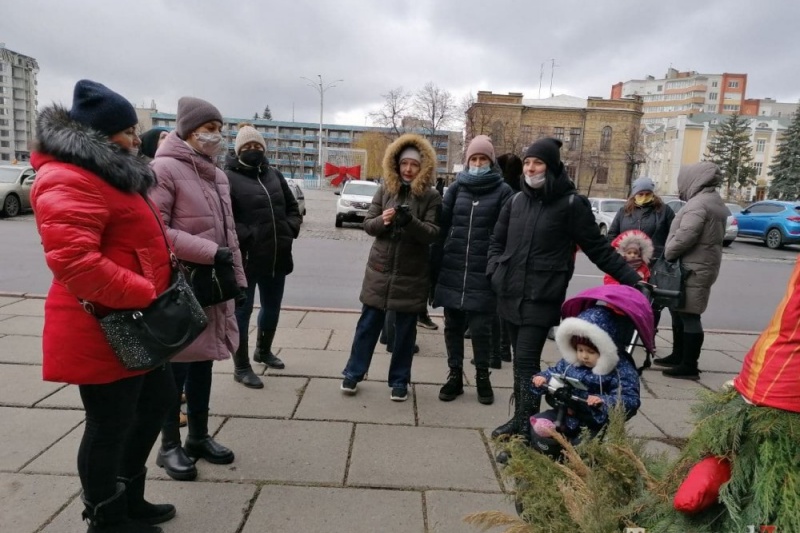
(397, 275)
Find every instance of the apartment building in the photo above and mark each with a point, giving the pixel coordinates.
(293, 149)
(683, 140)
(18, 102)
(681, 93)
(600, 136)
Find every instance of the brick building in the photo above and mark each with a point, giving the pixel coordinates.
(601, 137)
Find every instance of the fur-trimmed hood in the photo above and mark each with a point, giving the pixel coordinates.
(637, 237)
(599, 326)
(64, 139)
(391, 166)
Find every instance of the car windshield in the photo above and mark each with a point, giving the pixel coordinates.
(612, 207)
(8, 175)
(360, 189)
(734, 208)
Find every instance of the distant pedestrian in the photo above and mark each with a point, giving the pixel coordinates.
(151, 140)
(194, 198)
(103, 242)
(695, 237)
(267, 222)
(469, 213)
(403, 218)
(511, 165)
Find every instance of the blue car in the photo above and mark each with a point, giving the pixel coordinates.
(776, 223)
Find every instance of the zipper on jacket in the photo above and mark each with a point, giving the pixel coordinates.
(274, 226)
(466, 258)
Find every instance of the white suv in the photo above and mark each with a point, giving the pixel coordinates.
(354, 201)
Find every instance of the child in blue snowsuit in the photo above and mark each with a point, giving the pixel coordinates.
(590, 345)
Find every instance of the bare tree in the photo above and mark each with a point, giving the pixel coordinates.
(597, 162)
(435, 107)
(396, 106)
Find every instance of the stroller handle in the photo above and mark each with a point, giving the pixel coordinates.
(652, 291)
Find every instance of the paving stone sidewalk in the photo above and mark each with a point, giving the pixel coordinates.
(308, 459)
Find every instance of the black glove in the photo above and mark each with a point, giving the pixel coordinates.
(241, 298)
(224, 256)
(402, 217)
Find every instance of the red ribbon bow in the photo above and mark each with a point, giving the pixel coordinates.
(341, 173)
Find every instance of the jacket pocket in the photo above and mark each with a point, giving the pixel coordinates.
(145, 264)
(547, 282)
(498, 281)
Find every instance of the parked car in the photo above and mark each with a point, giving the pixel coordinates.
(297, 192)
(732, 226)
(776, 223)
(15, 189)
(605, 209)
(354, 201)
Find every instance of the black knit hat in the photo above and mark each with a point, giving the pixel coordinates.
(548, 150)
(150, 141)
(100, 108)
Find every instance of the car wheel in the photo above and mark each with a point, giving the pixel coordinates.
(11, 206)
(726, 243)
(603, 230)
(338, 222)
(774, 239)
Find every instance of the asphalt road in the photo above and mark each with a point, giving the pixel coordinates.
(329, 266)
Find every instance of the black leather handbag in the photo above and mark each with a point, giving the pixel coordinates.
(144, 339)
(212, 284)
(669, 276)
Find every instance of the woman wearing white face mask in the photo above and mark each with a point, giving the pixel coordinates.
(469, 213)
(531, 261)
(195, 202)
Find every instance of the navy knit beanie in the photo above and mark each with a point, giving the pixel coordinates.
(548, 150)
(100, 108)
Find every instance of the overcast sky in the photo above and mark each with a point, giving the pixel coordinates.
(246, 54)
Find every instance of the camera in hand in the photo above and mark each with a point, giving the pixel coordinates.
(402, 215)
(402, 208)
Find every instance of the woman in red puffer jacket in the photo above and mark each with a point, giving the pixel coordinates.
(104, 242)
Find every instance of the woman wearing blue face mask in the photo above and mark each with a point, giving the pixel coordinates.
(470, 209)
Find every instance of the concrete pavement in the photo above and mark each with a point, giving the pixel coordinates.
(308, 459)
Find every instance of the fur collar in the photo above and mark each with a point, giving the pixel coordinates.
(391, 171)
(71, 142)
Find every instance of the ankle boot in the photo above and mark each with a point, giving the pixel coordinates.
(242, 371)
(200, 445)
(140, 509)
(263, 353)
(171, 456)
(687, 369)
(484, 386)
(454, 386)
(675, 358)
(111, 515)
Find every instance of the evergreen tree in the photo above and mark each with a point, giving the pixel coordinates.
(731, 150)
(255, 116)
(785, 170)
(267, 115)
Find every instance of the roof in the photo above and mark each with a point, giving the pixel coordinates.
(561, 100)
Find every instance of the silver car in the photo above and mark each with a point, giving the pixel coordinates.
(15, 189)
(731, 226)
(297, 192)
(605, 209)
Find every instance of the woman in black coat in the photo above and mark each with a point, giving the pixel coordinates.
(267, 222)
(531, 261)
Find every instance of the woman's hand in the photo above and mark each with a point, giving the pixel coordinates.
(388, 216)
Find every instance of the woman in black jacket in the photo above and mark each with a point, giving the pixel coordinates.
(531, 261)
(469, 213)
(267, 222)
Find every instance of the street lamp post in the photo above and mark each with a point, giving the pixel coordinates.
(320, 87)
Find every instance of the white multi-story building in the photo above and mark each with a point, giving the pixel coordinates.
(17, 104)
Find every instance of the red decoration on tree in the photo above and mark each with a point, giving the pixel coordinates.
(341, 173)
(700, 489)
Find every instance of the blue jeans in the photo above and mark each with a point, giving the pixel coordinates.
(368, 330)
(270, 292)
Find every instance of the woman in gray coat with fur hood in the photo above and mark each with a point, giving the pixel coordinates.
(695, 237)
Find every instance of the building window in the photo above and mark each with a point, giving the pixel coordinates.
(760, 145)
(758, 167)
(542, 132)
(602, 176)
(558, 133)
(605, 139)
(733, 85)
(4, 133)
(571, 172)
(660, 88)
(712, 96)
(714, 83)
(574, 138)
(730, 107)
(5, 157)
(5, 144)
(526, 134)
(498, 132)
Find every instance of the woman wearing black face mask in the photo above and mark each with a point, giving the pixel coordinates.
(267, 221)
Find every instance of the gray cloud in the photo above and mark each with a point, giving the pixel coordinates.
(242, 56)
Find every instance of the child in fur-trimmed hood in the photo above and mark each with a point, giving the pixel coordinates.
(637, 249)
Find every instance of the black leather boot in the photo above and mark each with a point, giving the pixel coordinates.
(454, 386)
(200, 445)
(263, 353)
(484, 386)
(242, 371)
(140, 509)
(510, 427)
(111, 515)
(527, 406)
(171, 456)
(675, 358)
(687, 369)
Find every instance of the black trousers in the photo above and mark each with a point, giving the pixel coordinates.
(195, 379)
(528, 342)
(123, 419)
(456, 322)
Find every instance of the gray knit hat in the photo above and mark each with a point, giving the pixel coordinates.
(643, 184)
(248, 134)
(193, 113)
